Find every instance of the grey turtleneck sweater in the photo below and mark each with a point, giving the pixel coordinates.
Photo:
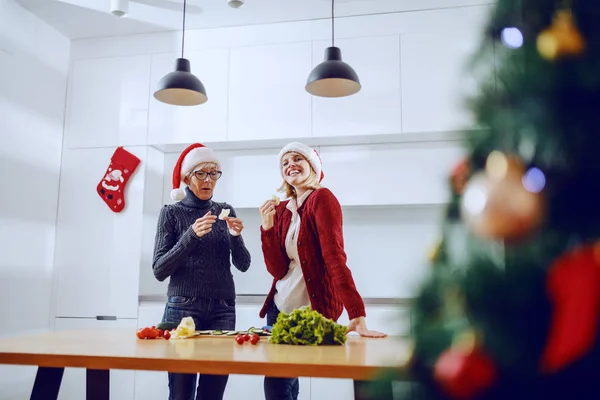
(198, 266)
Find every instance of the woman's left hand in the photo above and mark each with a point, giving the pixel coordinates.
(235, 226)
(359, 326)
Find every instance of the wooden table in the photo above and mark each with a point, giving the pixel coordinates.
(102, 350)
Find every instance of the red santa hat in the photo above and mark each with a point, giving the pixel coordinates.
(311, 155)
(194, 155)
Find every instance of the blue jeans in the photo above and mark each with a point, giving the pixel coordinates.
(279, 388)
(288, 388)
(207, 314)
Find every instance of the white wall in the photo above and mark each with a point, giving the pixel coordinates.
(387, 152)
(33, 80)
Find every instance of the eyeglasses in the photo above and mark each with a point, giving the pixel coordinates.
(201, 175)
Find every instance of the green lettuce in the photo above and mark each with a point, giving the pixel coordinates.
(305, 326)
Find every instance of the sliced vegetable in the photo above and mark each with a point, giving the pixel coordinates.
(167, 326)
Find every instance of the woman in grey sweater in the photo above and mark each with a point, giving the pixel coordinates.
(195, 250)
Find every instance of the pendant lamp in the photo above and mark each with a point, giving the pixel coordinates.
(181, 87)
(333, 77)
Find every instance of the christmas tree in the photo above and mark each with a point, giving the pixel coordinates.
(511, 307)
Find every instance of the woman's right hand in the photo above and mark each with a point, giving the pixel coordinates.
(204, 225)
(267, 213)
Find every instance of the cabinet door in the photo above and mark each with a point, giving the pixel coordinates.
(267, 99)
(412, 173)
(375, 109)
(387, 248)
(73, 383)
(436, 81)
(97, 250)
(257, 279)
(182, 124)
(108, 102)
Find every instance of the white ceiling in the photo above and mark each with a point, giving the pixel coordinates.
(91, 18)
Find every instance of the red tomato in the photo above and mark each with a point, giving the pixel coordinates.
(254, 339)
(246, 337)
(240, 339)
(160, 332)
(146, 333)
(140, 334)
(167, 335)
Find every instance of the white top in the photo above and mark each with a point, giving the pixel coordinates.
(291, 289)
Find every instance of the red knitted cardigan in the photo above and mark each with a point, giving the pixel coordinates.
(322, 257)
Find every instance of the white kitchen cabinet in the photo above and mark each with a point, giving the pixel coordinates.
(436, 79)
(73, 383)
(376, 108)
(399, 174)
(267, 99)
(387, 248)
(108, 102)
(187, 124)
(257, 279)
(97, 251)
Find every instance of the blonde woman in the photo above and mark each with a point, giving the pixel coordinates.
(303, 247)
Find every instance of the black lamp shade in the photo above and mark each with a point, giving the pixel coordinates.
(333, 77)
(181, 87)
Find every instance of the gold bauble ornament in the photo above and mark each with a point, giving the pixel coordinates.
(496, 205)
(562, 39)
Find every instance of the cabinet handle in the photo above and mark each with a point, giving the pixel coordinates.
(106, 317)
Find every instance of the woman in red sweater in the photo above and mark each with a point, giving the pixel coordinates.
(303, 247)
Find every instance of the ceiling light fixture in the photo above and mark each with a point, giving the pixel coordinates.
(333, 77)
(235, 3)
(119, 8)
(181, 87)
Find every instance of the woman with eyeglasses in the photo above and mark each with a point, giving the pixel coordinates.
(194, 245)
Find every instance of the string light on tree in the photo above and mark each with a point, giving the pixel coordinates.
(511, 37)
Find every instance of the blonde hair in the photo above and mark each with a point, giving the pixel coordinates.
(312, 182)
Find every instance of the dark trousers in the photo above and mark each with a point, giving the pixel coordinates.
(288, 388)
(207, 314)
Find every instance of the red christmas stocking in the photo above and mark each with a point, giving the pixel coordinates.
(112, 187)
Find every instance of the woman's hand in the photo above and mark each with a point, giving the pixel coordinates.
(267, 213)
(359, 326)
(204, 225)
(235, 226)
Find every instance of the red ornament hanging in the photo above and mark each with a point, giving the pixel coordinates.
(463, 374)
(573, 284)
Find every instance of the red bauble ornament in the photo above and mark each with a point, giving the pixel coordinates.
(464, 375)
(573, 284)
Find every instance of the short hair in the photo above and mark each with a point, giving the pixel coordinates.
(203, 165)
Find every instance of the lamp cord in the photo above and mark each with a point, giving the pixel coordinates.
(332, 24)
(183, 34)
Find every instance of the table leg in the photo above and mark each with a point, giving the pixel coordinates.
(47, 383)
(97, 384)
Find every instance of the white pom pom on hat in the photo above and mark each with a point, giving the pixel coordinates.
(311, 155)
(192, 156)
